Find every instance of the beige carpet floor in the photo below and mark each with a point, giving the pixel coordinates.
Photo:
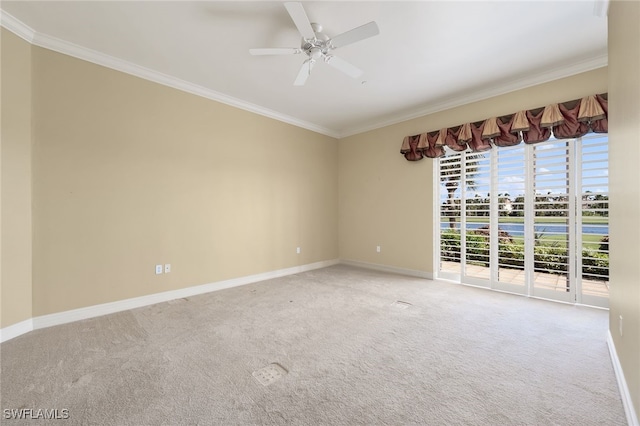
(340, 350)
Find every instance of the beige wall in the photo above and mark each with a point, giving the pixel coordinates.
(15, 171)
(128, 174)
(388, 201)
(624, 175)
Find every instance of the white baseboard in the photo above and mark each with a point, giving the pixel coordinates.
(386, 268)
(15, 330)
(627, 402)
(58, 318)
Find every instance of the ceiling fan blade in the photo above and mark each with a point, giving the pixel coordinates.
(356, 34)
(299, 17)
(275, 51)
(304, 72)
(344, 66)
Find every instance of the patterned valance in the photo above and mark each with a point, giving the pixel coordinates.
(566, 120)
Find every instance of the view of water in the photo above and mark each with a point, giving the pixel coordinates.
(517, 229)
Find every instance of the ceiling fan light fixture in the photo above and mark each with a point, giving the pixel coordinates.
(315, 53)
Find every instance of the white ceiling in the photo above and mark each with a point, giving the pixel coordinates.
(429, 55)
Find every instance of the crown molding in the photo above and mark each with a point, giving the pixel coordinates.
(502, 88)
(55, 44)
(17, 27)
(70, 49)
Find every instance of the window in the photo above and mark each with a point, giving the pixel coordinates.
(528, 219)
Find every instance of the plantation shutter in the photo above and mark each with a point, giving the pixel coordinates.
(450, 182)
(477, 180)
(510, 181)
(594, 217)
(552, 221)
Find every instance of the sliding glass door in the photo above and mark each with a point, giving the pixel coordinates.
(529, 219)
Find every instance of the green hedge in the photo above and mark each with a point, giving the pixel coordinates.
(547, 258)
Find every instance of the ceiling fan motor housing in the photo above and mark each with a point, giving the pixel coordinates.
(318, 46)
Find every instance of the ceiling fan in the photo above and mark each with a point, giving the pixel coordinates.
(317, 45)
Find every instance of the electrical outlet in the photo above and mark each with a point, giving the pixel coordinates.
(298, 250)
(167, 268)
(377, 249)
(620, 325)
(158, 269)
